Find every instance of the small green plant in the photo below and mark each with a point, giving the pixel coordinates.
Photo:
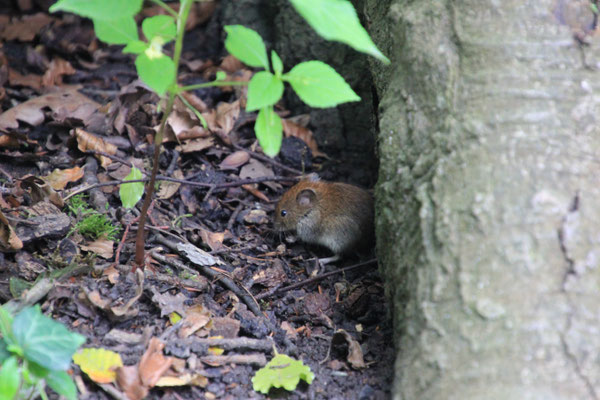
(96, 226)
(91, 223)
(35, 351)
(282, 371)
(317, 84)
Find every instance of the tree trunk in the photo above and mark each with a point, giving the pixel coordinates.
(488, 197)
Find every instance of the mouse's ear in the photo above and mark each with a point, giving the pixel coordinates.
(307, 197)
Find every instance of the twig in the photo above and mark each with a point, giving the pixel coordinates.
(269, 160)
(316, 278)
(243, 293)
(212, 186)
(234, 215)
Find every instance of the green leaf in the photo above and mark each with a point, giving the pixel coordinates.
(337, 20)
(45, 341)
(131, 193)
(135, 47)
(62, 383)
(99, 9)
(282, 371)
(318, 85)
(160, 25)
(247, 46)
(264, 89)
(6, 321)
(276, 62)
(156, 72)
(220, 76)
(10, 379)
(4, 353)
(269, 131)
(116, 31)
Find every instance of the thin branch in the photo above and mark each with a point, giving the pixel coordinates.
(316, 279)
(165, 7)
(211, 84)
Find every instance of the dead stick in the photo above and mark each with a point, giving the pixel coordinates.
(316, 278)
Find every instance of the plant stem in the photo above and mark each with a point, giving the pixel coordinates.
(184, 10)
(165, 7)
(210, 84)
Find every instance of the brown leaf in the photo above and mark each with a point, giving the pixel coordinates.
(64, 104)
(214, 240)
(58, 67)
(255, 169)
(272, 276)
(88, 141)
(30, 80)
(235, 160)
(224, 120)
(255, 192)
(196, 145)
(41, 190)
(129, 381)
(168, 189)
(9, 241)
(24, 28)
(101, 247)
(196, 318)
(59, 178)
(256, 217)
(291, 128)
(355, 354)
(230, 64)
(153, 363)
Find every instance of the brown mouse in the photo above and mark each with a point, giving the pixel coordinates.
(335, 215)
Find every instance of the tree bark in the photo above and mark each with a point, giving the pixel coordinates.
(488, 197)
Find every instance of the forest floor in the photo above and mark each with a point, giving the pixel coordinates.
(73, 120)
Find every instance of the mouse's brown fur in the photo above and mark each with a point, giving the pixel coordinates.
(335, 215)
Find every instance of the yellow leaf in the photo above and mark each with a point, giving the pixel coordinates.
(98, 364)
(174, 318)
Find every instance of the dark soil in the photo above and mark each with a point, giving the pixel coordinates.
(98, 295)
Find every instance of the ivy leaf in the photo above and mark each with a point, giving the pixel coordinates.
(337, 20)
(160, 25)
(116, 31)
(247, 46)
(264, 89)
(282, 371)
(99, 9)
(45, 341)
(158, 72)
(131, 193)
(10, 378)
(62, 383)
(269, 131)
(318, 85)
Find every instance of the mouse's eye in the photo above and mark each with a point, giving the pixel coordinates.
(283, 213)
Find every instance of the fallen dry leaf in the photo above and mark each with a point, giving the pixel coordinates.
(101, 247)
(30, 80)
(9, 241)
(291, 128)
(153, 363)
(168, 189)
(235, 160)
(255, 169)
(197, 317)
(58, 67)
(355, 354)
(59, 178)
(129, 381)
(88, 141)
(64, 104)
(214, 240)
(41, 190)
(196, 145)
(24, 28)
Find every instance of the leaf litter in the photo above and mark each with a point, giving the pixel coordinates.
(207, 313)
